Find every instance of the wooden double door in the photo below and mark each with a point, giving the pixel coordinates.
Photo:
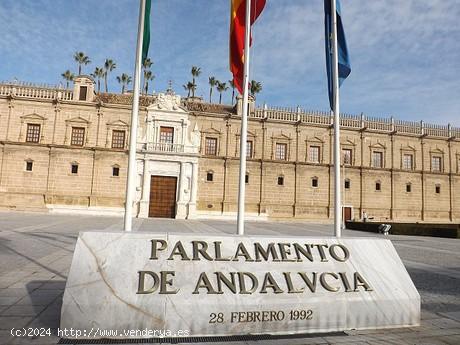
(163, 196)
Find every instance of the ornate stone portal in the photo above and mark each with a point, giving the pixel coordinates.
(173, 155)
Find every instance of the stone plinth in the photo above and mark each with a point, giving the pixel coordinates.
(205, 285)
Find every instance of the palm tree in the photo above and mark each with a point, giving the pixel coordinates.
(221, 87)
(212, 82)
(148, 75)
(190, 87)
(232, 85)
(146, 64)
(124, 80)
(196, 71)
(81, 59)
(68, 76)
(98, 74)
(255, 87)
(109, 66)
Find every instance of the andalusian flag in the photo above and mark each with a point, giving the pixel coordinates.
(342, 51)
(237, 29)
(146, 37)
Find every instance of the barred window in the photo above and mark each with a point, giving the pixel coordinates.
(249, 149)
(78, 136)
(408, 162)
(436, 163)
(33, 133)
(74, 168)
(314, 154)
(280, 181)
(377, 159)
(408, 188)
(347, 156)
(347, 184)
(438, 189)
(280, 152)
(29, 165)
(314, 182)
(118, 139)
(210, 148)
(167, 135)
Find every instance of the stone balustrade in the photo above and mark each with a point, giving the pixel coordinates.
(362, 121)
(29, 90)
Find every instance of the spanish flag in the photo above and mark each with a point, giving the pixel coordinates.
(237, 30)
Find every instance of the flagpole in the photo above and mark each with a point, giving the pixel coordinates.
(335, 74)
(244, 123)
(132, 167)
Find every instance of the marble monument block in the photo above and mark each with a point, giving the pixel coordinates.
(132, 284)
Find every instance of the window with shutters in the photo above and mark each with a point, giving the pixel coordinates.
(280, 152)
(408, 161)
(210, 148)
(314, 153)
(436, 163)
(347, 155)
(377, 159)
(33, 133)
(249, 149)
(118, 139)
(78, 136)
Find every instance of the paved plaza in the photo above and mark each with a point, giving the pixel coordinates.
(36, 252)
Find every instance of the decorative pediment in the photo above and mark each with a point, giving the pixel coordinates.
(167, 102)
(78, 119)
(378, 146)
(250, 133)
(347, 142)
(437, 151)
(315, 139)
(408, 148)
(211, 130)
(281, 136)
(33, 116)
(118, 123)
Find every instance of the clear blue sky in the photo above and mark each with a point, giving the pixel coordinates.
(405, 55)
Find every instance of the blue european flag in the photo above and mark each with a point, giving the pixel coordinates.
(343, 58)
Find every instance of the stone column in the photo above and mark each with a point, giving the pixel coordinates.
(181, 210)
(193, 192)
(144, 202)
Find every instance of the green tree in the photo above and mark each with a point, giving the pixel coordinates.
(68, 76)
(109, 66)
(124, 80)
(81, 59)
(232, 85)
(147, 77)
(221, 87)
(255, 87)
(212, 84)
(196, 71)
(146, 64)
(190, 87)
(98, 74)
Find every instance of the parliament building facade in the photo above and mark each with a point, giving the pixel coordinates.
(66, 150)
